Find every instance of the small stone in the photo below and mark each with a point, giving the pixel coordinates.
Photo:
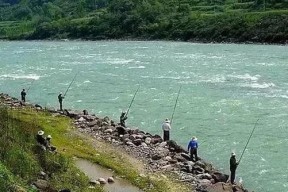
(110, 180)
(102, 180)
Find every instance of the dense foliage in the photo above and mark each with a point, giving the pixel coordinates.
(262, 21)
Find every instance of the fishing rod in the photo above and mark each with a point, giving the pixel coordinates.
(132, 101)
(70, 84)
(248, 141)
(175, 105)
(30, 85)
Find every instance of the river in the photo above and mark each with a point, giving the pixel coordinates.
(225, 89)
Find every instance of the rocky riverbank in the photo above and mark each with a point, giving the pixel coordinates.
(158, 156)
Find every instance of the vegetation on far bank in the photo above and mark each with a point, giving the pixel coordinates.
(263, 21)
(21, 160)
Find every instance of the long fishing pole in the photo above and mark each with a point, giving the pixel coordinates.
(248, 141)
(175, 105)
(132, 101)
(70, 84)
(30, 85)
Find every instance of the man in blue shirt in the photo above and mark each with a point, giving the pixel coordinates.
(192, 147)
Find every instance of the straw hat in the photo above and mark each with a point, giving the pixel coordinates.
(49, 137)
(194, 138)
(233, 154)
(40, 132)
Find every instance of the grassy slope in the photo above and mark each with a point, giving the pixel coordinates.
(21, 160)
(70, 144)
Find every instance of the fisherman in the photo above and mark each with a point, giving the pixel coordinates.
(192, 147)
(23, 95)
(48, 143)
(123, 118)
(60, 99)
(233, 167)
(41, 140)
(166, 129)
(85, 112)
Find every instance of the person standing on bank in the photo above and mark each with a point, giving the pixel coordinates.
(60, 99)
(23, 95)
(166, 129)
(192, 148)
(123, 118)
(233, 167)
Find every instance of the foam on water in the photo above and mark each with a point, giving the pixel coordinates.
(258, 85)
(137, 67)
(20, 76)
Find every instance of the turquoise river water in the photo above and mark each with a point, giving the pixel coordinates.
(225, 89)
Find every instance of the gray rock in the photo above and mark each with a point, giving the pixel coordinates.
(93, 182)
(156, 156)
(92, 123)
(168, 158)
(137, 142)
(110, 180)
(108, 131)
(219, 177)
(148, 140)
(205, 182)
(42, 184)
(81, 119)
(186, 156)
(167, 167)
(204, 176)
(102, 180)
(163, 144)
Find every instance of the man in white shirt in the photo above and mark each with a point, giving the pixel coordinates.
(166, 129)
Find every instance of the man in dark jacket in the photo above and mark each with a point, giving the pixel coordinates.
(233, 167)
(123, 117)
(23, 95)
(192, 147)
(60, 99)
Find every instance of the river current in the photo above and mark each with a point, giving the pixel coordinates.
(225, 89)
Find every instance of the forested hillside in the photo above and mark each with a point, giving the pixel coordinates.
(262, 21)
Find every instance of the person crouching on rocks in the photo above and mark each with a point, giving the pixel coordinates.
(192, 147)
(48, 143)
(41, 140)
(123, 118)
(166, 129)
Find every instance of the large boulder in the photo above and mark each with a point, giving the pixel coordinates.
(219, 177)
(41, 184)
(223, 187)
(156, 139)
(173, 146)
(121, 130)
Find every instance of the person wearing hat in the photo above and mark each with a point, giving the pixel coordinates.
(23, 95)
(48, 143)
(60, 99)
(166, 127)
(123, 118)
(192, 148)
(233, 167)
(40, 138)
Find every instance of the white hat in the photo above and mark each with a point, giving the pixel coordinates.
(233, 154)
(167, 120)
(40, 132)
(49, 136)
(194, 138)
